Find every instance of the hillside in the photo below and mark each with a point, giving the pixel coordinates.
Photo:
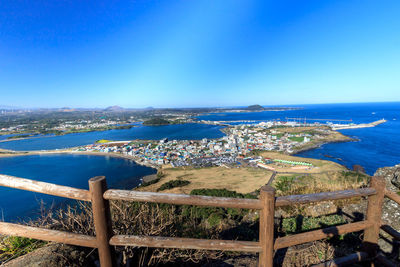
(114, 109)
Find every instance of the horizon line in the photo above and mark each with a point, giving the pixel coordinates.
(194, 107)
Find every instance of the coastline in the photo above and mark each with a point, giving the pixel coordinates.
(319, 144)
(51, 152)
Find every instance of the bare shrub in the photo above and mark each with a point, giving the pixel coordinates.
(130, 218)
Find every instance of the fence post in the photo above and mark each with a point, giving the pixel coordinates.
(374, 215)
(267, 198)
(102, 220)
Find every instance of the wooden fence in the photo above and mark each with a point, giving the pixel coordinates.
(104, 241)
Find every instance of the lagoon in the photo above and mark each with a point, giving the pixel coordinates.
(193, 131)
(62, 169)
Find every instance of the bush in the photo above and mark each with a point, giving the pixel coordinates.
(215, 215)
(283, 183)
(173, 184)
(214, 219)
(144, 184)
(220, 193)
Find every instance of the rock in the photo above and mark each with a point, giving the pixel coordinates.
(391, 210)
(396, 178)
(391, 175)
(52, 255)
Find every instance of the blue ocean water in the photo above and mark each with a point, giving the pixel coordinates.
(62, 169)
(377, 147)
(193, 131)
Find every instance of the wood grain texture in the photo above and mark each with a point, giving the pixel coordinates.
(393, 196)
(267, 198)
(374, 216)
(292, 240)
(184, 243)
(102, 221)
(309, 198)
(11, 229)
(45, 188)
(181, 199)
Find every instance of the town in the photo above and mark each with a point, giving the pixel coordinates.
(239, 146)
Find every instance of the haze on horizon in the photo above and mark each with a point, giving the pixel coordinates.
(198, 53)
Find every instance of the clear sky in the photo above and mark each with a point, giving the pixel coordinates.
(198, 53)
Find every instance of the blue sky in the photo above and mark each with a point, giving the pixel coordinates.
(198, 53)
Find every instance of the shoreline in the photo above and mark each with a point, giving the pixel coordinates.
(318, 145)
(50, 152)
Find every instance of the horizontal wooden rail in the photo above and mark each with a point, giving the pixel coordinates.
(181, 199)
(44, 188)
(388, 229)
(292, 240)
(11, 229)
(184, 243)
(393, 196)
(345, 261)
(325, 196)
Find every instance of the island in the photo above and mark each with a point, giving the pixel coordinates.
(255, 108)
(156, 122)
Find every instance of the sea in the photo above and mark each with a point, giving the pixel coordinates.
(374, 148)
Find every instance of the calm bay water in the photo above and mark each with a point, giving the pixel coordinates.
(62, 169)
(377, 147)
(193, 131)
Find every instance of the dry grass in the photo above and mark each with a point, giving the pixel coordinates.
(322, 182)
(306, 255)
(241, 180)
(316, 183)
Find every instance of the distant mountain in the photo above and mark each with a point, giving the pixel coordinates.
(255, 107)
(67, 109)
(114, 109)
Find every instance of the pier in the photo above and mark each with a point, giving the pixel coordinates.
(357, 126)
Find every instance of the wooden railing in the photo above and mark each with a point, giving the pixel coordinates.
(105, 241)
